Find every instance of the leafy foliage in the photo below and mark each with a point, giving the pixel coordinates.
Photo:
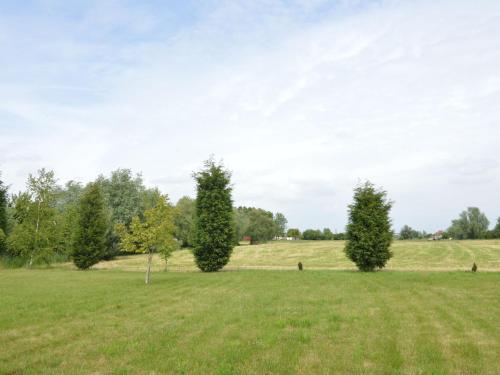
(126, 197)
(67, 205)
(213, 234)
(293, 232)
(471, 224)
(261, 227)
(155, 233)
(185, 210)
(34, 236)
(90, 235)
(496, 230)
(369, 228)
(328, 234)
(280, 222)
(3, 218)
(312, 234)
(408, 233)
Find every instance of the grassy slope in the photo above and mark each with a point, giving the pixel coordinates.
(64, 321)
(408, 255)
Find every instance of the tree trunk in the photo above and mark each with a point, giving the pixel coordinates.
(148, 272)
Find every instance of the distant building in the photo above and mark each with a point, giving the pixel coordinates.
(437, 236)
(285, 238)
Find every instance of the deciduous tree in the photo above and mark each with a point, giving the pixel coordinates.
(185, 210)
(126, 197)
(293, 232)
(3, 217)
(280, 222)
(408, 233)
(261, 226)
(471, 224)
(153, 234)
(35, 234)
(496, 230)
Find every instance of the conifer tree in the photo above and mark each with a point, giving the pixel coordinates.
(214, 227)
(369, 228)
(90, 237)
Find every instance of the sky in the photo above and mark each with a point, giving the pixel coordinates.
(301, 100)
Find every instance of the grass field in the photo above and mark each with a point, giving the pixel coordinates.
(63, 321)
(408, 256)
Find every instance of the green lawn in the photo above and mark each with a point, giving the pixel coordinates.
(62, 321)
(65, 321)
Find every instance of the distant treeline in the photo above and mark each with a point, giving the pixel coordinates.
(315, 234)
(471, 224)
(39, 225)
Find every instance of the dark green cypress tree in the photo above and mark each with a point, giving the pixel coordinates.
(369, 231)
(90, 237)
(214, 227)
(3, 218)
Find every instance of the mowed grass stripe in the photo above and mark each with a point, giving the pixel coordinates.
(249, 322)
(408, 256)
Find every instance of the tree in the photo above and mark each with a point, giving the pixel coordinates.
(496, 230)
(339, 236)
(155, 233)
(408, 233)
(241, 223)
(261, 226)
(280, 222)
(67, 205)
(369, 228)
(471, 224)
(213, 235)
(90, 235)
(327, 234)
(126, 197)
(312, 234)
(35, 234)
(293, 232)
(184, 221)
(3, 217)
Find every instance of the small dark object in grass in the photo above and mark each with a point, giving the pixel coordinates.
(300, 266)
(474, 267)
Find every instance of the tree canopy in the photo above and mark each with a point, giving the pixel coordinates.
(471, 224)
(185, 210)
(34, 236)
(152, 234)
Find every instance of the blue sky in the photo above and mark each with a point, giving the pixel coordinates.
(301, 99)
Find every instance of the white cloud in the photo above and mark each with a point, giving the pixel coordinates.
(404, 94)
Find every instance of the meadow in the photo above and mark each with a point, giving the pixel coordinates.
(326, 319)
(284, 255)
